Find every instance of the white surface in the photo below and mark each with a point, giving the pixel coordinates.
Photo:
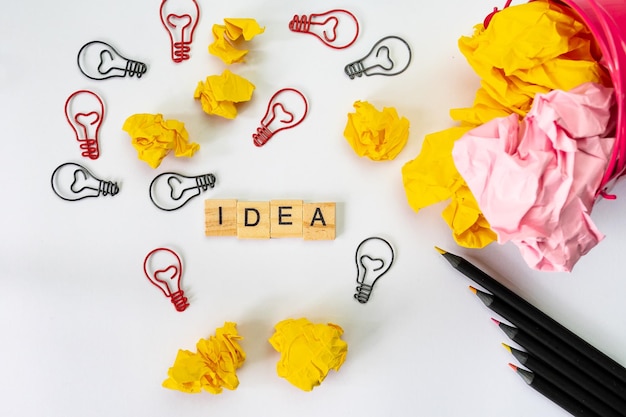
(85, 334)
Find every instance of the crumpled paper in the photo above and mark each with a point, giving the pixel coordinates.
(536, 181)
(308, 351)
(219, 93)
(154, 137)
(212, 367)
(527, 49)
(379, 135)
(432, 177)
(227, 35)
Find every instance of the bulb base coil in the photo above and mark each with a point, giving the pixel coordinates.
(300, 24)
(262, 135)
(180, 51)
(205, 181)
(363, 293)
(135, 68)
(89, 148)
(108, 187)
(179, 300)
(355, 69)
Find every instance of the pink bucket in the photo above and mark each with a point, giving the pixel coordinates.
(607, 21)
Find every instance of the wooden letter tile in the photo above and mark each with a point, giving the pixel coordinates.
(286, 218)
(318, 221)
(220, 217)
(253, 219)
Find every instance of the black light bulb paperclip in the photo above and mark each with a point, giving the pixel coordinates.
(98, 60)
(364, 279)
(176, 189)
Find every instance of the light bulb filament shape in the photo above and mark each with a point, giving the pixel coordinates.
(279, 112)
(81, 183)
(89, 143)
(334, 22)
(383, 55)
(107, 65)
(168, 280)
(87, 121)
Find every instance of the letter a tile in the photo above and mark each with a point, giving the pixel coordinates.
(318, 221)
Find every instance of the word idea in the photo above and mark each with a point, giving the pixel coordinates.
(270, 219)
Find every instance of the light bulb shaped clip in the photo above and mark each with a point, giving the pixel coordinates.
(373, 257)
(170, 191)
(287, 108)
(84, 111)
(73, 182)
(337, 28)
(99, 60)
(389, 56)
(164, 270)
(180, 18)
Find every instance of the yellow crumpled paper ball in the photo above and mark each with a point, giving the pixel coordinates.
(226, 36)
(527, 49)
(432, 177)
(212, 367)
(154, 137)
(379, 135)
(308, 351)
(219, 93)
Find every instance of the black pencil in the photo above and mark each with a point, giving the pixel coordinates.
(534, 314)
(565, 351)
(554, 393)
(538, 350)
(587, 399)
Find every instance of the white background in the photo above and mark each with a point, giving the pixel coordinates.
(83, 333)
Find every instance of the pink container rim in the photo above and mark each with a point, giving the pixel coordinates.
(606, 19)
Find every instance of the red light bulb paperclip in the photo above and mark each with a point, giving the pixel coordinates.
(166, 275)
(337, 28)
(287, 108)
(180, 17)
(84, 111)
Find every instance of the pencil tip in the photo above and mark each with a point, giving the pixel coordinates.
(441, 251)
(513, 367)
(495, 321)
(507, 347)
(472, 289)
